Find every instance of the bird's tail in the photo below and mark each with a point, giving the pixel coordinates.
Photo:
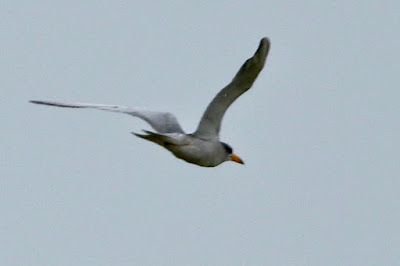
(161, 139)
(150, 136)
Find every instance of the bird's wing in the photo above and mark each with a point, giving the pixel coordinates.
(210, 123)
(162, 122)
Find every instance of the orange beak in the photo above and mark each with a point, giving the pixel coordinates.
(236, 159)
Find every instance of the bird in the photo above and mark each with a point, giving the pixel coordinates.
(202, 147)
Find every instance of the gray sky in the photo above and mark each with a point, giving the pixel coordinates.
(318, 132)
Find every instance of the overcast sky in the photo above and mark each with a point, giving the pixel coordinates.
(319, 132)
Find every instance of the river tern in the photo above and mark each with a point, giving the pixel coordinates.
(203, 147)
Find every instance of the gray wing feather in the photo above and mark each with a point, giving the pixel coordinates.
(210, 123)
(162, 122)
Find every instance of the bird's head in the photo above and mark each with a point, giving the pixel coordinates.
(230, 155)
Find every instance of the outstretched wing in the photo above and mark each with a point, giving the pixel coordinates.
(160, 121)
(210, 123)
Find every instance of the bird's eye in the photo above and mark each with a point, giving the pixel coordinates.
(228, 148)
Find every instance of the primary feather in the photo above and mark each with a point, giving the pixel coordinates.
(162, 122)
(210, 123)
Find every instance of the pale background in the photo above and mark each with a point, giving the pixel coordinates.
(319, 133)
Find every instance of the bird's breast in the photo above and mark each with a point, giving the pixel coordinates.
(200, 152)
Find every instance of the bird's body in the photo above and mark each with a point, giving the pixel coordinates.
(202, 147)
(206, 153)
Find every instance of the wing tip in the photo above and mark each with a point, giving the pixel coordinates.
(41, 102)
(58, 104)
(265, 40)
(264, 46)
(262, 51)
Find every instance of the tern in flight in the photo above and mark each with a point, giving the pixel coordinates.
(202, 147)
